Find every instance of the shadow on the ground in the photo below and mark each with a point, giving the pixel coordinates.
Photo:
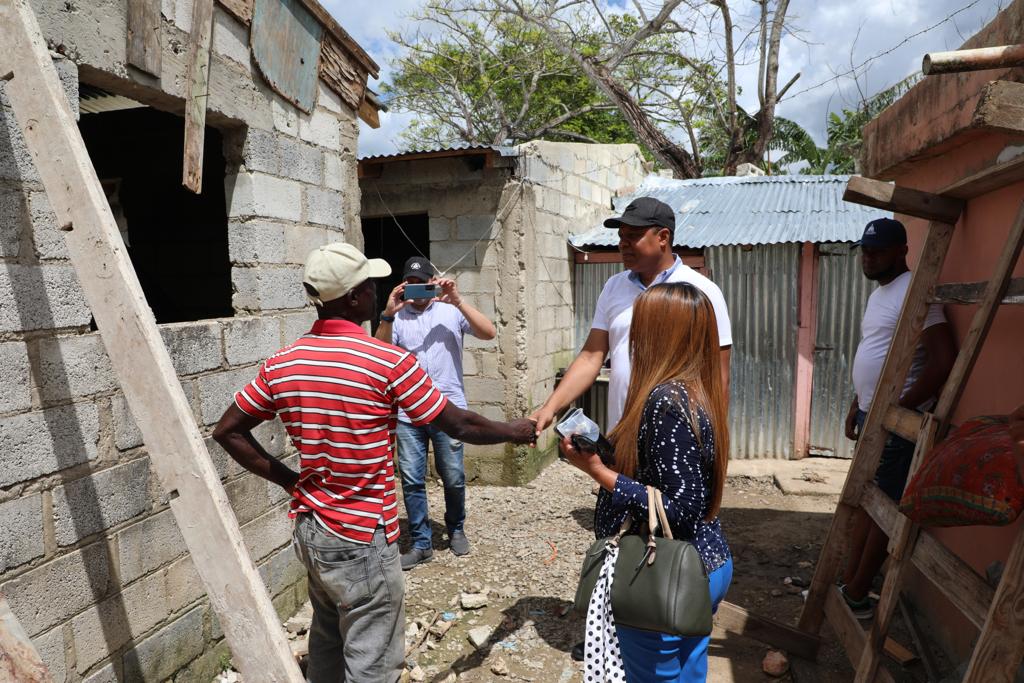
(557, 631)
(584, 517)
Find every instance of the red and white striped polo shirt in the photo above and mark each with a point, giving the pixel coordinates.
(337, 391)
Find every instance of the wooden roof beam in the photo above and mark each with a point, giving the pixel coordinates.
(882, 195)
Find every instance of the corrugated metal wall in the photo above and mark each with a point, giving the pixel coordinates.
(588, 280)
(842, 296)
(760, 288)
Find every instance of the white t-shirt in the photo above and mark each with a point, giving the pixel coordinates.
(614, 314)
(877, 329)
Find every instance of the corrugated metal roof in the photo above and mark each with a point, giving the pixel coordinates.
(503, 150)
(749, 210)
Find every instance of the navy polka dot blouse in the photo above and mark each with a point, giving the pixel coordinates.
(669, 458)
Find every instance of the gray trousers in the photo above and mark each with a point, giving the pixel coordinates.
(357, 592)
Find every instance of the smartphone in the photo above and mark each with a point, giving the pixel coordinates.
(413, 291)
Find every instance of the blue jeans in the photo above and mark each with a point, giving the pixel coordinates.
(649, 657)
(894, 465)
(412, 460)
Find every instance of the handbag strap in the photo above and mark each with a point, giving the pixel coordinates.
(659, 502)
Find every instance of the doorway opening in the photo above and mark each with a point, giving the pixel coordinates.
(383, 238)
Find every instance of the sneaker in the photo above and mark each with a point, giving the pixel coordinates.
(414, 557)
(577, 652)
(863, 609)
(458, 543)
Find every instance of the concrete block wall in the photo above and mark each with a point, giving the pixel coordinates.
(509, 228)
(91, 558)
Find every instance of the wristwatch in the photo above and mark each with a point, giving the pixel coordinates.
(387, 318)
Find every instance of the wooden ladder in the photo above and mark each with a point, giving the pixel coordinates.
(999, 614)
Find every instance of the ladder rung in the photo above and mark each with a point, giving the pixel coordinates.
(849, 630)
(972, 292)
(903, 422)
(988, 179)
(905, 200)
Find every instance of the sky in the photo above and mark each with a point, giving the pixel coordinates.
(832, 35)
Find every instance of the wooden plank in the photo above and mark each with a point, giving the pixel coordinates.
(882, 195)
(285, 41)
(144, 48)
(958, 582)
(872, 440)
(898, 652)
(137, 353)
(371, 115)
(903, 422)
(881, 508)
(196, 91)
(1001, 107)
(19, 660)
(341, 74)
(973, 292)
(239, 9)
(1000, 646)
(931, 667)
(987, 180)
(342, 36)
(970, 347)
(807, 318)
(848, 630)
(736, 619)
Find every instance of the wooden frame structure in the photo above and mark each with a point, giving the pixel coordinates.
(998, 614)
(138, 355)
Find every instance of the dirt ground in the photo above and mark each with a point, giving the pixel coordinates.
(528, 544)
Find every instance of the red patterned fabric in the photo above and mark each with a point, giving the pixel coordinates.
(970, 478)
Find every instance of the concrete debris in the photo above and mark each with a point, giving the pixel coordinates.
(441, 628)
(479, 636)
(775, 663)
(417, 674)
(499, 667)
(473, 600)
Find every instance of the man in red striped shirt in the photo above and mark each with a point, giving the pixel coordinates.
(337, 391)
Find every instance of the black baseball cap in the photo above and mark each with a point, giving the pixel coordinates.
(882, 233)
(644, 212)
(418, 267)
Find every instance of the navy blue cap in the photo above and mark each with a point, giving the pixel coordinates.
(883, 232)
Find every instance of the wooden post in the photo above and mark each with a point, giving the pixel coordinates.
(144, 48)
(197, 91)
(19, 660)
(807, 319)
(138, 355)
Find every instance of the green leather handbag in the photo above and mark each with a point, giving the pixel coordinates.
(659, 583)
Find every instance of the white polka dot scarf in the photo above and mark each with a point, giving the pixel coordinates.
(601, 656)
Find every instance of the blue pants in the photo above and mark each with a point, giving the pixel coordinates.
(649, 656)
(894, 465)
(412, 460)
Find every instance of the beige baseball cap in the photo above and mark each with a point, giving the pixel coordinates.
(334, 269)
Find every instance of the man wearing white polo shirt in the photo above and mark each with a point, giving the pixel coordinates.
(646, 230)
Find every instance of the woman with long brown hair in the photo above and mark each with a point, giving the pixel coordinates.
(673, 436)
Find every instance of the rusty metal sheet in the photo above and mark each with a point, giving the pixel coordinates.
(285, 40)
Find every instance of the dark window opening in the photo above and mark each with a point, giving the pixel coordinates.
(384, 239)
(177, 240)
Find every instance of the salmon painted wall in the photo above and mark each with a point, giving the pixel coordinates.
(996, 385)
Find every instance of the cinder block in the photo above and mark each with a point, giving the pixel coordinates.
(485, 390)
(248, 497)
(126, 430)
(301, 239)
(102, 629)
(299, 160)
(206, 667)
(256, 241)
(47, 237)
(50, 646)
(222, 462)
(267, 532)
(321, 128)
(53, 592)
(274, 493)
(71, 367)
(149, 544)
(441, 229)
(295, 325)
(469, 364)
(21, 531)
(107, 674)
(40, 297)
(474, 227)
(15, 160)
(160, 655)
(93, 503)
(258, 194)
(182, 585)
(14, 221)
(267, 288)
(323, 206)
(286, 116)
(230, 38)
(217, 391)
(453, 253)
(251, 339)
(328, 99)
(260, 151)
(272, 435)
(335, 176)
(41, 442)
(14, 373)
